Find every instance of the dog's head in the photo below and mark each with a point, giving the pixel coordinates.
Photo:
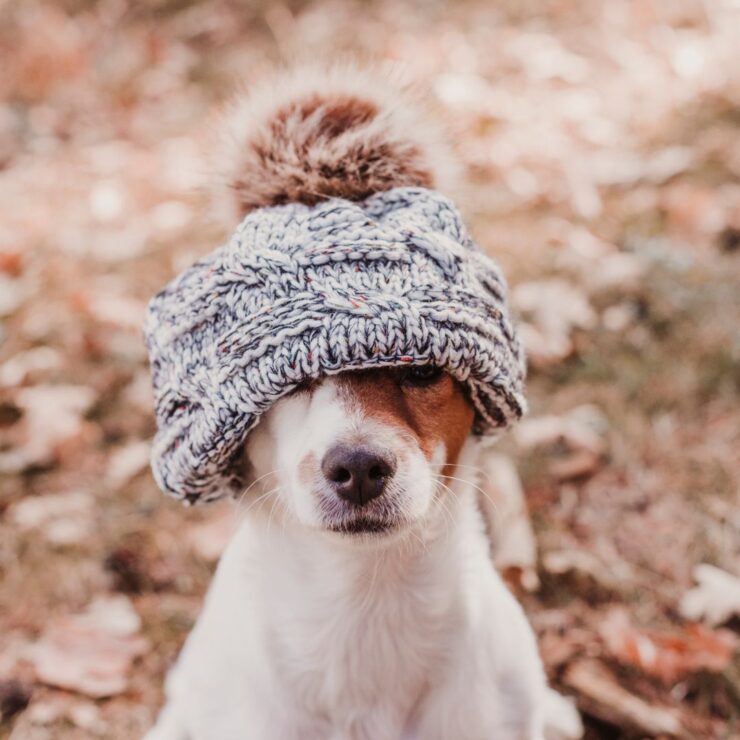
(364, 452)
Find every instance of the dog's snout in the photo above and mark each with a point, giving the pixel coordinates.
(358, 474)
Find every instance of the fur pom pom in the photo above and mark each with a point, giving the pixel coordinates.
(309, 134)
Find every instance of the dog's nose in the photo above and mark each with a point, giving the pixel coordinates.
(358, 474)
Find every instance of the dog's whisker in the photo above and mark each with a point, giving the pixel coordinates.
(424, 544)
(252, 504)
(254, 483)
(496, 523)
(242, 514)
(467, 482)
(449, 518)
(479, 472)
(272, 509)
(479, 490)
(451, 491)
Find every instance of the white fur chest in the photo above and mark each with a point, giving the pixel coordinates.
(355, 637)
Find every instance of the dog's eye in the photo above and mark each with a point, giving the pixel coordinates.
(421, 375)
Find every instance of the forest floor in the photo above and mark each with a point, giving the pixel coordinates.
(600, 147)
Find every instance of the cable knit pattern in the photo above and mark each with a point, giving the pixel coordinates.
(300, 292)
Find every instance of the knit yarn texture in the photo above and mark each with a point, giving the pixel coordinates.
(300, 292)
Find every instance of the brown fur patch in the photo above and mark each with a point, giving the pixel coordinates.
(434, 413)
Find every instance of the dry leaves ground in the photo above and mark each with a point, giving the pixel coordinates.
(601, 144)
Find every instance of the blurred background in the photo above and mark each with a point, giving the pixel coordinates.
(601, 145)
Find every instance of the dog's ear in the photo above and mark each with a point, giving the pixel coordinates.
(309, 134)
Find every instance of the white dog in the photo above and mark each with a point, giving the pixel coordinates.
(357, 599)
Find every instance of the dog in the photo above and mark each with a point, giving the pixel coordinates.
(357, 599)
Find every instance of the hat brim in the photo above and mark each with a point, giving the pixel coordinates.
(197, 452)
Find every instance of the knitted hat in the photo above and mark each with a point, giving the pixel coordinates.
(315, 288)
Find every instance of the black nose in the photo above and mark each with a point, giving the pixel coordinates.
(358, 474)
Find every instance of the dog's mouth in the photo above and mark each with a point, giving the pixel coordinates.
(378, 517)
(362, 525)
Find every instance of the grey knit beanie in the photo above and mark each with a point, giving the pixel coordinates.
(302, 291)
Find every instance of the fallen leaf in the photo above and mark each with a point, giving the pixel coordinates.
(108, 200)
(664, 655)
(93, 652)
(18, 368)
(52, 417)
(693, 210)
(87, 716)
(600, 265)
(666, 163)
(118, 310)
(62, 518)
(602, 697)
(12, 294)
(127, 462)
(559, 562)
(559, 646)
(46, 712)
(581, 428)
(553, 309)
(576, 465)
(138, 393)
(619, 317)
(544, 347)
(715, 599)
(83, 714)
(617, 271)
(36, 511)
